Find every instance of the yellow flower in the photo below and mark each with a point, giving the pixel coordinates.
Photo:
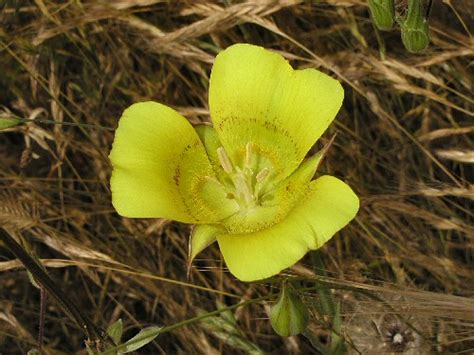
(244, 181)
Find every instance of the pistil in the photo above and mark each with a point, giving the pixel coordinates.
(245, 182)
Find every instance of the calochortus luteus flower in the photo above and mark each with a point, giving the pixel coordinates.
(244, 181)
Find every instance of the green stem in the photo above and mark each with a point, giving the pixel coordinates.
(325, 296)
(73, 124)
(186, 322)
(415, 13)
(92, 332)
(189, 321)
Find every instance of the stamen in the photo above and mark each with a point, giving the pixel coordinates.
(247, 184)
(248, 154)
(262, 174)
(242, 187)
(224, 160)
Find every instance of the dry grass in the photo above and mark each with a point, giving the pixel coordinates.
(404, 143)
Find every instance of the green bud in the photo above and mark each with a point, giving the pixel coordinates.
(414, 28)
(383, 13)
(289, 315)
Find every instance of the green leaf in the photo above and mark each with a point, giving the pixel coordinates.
(326, 302)
(228, 316)
(89, 350)
(7, 122)
(225, 327)
(32, 279)
(115, 331)
(143, 337)
(338, 346)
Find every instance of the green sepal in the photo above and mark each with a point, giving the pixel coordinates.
(414, 28)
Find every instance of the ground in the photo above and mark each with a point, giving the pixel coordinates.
(398, 278)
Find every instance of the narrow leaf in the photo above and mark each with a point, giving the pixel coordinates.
(115, 331)
(144, 337)
(7, 122)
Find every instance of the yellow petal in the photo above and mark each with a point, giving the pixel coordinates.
(327, 207)
(255, 96)
(289, 190)
(161, 168)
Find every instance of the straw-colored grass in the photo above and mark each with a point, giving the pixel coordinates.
(404, 144)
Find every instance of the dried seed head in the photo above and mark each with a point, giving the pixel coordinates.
(398, 336)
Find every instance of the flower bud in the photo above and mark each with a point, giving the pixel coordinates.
(414, 28)
(289, 315)
(383, 13)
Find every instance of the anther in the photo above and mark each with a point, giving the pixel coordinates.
(248, 154)
(262, 174)
(224, 160)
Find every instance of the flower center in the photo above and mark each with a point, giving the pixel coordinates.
(247, 180)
